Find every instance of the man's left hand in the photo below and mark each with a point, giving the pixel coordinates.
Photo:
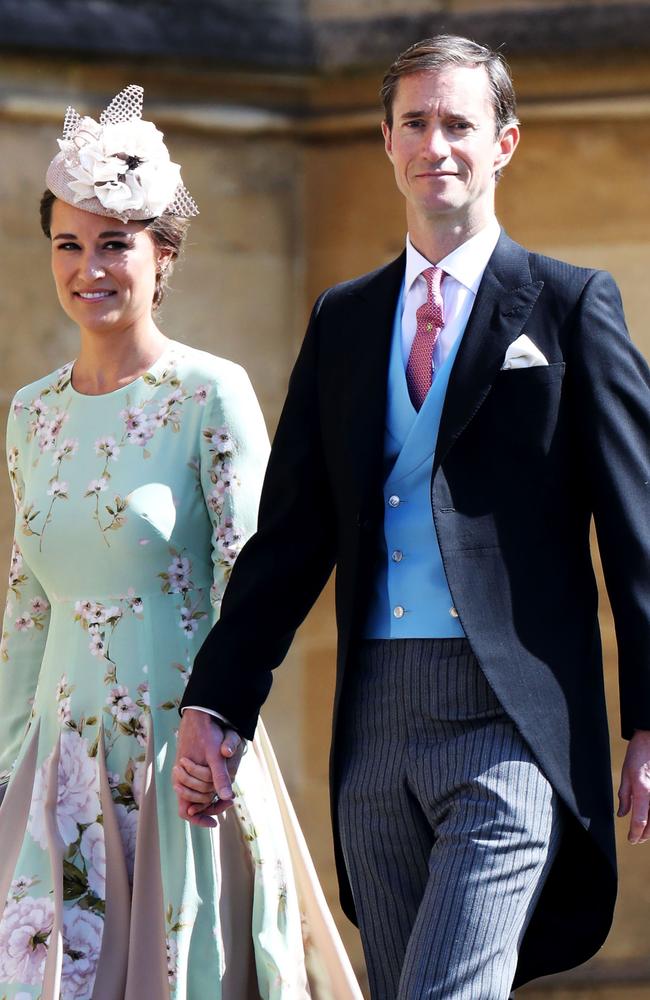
(634, 791)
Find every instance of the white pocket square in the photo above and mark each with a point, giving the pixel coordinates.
(522, 353)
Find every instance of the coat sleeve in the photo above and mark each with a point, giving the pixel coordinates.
(282, 569)
(24, 629)
(613, 404)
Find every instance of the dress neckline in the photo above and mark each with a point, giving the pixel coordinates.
(151, 373)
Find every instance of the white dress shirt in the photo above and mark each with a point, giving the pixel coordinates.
(463, 269)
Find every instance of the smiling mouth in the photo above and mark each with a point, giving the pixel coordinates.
(93, 296)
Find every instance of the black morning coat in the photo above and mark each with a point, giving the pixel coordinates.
(524, 459)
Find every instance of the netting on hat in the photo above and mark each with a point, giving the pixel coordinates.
(183, 204)
(124, 107)
(70, 123)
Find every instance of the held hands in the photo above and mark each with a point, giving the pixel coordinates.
(207, 758)
(634, 791)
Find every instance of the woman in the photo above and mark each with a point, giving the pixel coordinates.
(136, 471)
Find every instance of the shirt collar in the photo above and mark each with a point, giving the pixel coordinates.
(466, 263)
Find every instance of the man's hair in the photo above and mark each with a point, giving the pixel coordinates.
(443, 51)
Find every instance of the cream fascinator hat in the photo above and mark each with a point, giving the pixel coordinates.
(119, 166)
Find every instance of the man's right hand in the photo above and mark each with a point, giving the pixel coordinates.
(201, 740)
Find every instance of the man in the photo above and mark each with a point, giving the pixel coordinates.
(452, 423)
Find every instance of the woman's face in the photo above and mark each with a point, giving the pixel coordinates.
(104, 269)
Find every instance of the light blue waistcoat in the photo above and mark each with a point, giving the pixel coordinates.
(411, 597)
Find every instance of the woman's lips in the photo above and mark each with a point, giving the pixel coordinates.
(95, 296)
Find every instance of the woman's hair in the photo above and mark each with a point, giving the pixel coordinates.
(167, 233)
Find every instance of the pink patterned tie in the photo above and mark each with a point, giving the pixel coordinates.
(430, 320)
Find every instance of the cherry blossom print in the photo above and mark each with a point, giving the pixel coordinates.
(97, 645)
(134, 603)
(121, 706)
(28, 515)
(134, 418)
(35, 618)
(100, 621)
(172, 960)
(82, 940)
(178, 575)
(144, 699)
(64, 711)
(142, 436)
(188, 623)
(108, 447)
(25, 929)
(115, 510)
(200, 394)
(68, 449)
(215, 501)
(58, 488)
(39, 606)
(229, 542)
(63, 688)
(24, 623)
(46, 429)
(226, 478)
(16, 476)
(174, 925)
(38, 410)
(96, 486)
(16, 577)
(222, 441)
(21, 886)
(141, 730)
(77, 791)
(227, 539)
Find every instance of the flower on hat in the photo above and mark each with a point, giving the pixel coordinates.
(125, 166)
(118, 166)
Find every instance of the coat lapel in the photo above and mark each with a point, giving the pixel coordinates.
(504, 301)
(367, 339)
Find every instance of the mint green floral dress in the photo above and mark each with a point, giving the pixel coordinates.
(131, 508)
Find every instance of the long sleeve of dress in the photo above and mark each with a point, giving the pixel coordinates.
(234, 453)
(25, 626)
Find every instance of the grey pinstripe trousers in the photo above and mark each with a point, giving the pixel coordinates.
(447, 824)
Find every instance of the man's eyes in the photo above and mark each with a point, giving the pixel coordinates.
(454, 126)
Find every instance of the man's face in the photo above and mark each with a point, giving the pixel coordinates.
(444, 147)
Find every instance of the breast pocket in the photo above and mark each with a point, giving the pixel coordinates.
(524, 405)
